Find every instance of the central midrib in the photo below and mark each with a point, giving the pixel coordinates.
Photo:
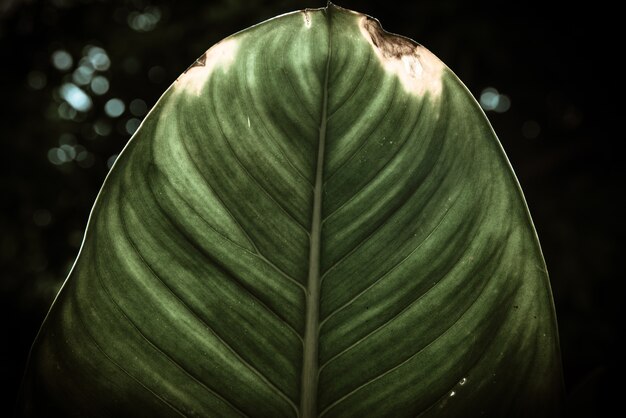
(308, 391)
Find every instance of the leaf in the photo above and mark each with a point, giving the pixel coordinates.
(316, 219)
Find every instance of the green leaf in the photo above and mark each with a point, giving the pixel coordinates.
(316, 219)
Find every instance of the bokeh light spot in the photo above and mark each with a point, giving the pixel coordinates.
(132, 125)
(69, 151)
(62, 60)
(138, 107)
(66, 111)
(144, 22)
(114, 108)
(83, 75)
(504, 103)
(57, 156)
(52, 157)
(36, 80)
(76, 97)
(489, 98)
(85, 159)
(98, 58)
(102, 128)
(99, 85)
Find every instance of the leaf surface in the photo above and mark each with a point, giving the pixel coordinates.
(316, 219)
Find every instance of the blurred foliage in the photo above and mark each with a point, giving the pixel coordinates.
(77, 77)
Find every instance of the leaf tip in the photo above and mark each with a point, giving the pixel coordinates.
(419, 70)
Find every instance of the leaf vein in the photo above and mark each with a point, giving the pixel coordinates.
(395, 266)
(232, 275)
(126, 372)
(402, 363)
(371, 234)
(380, 170)
(217, 196)
(358, 149)
(356, 87)
(254, 179)
(132, 323)
(260, 375)
(227, 270)
(280, 148)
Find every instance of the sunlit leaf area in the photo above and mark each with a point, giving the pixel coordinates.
(77, 78)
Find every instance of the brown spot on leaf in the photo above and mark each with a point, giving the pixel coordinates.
(200, 62)
(416, 67)
(220, 55)
(390, 45)
(307, 18)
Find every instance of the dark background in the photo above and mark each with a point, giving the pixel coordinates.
(556, 62)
